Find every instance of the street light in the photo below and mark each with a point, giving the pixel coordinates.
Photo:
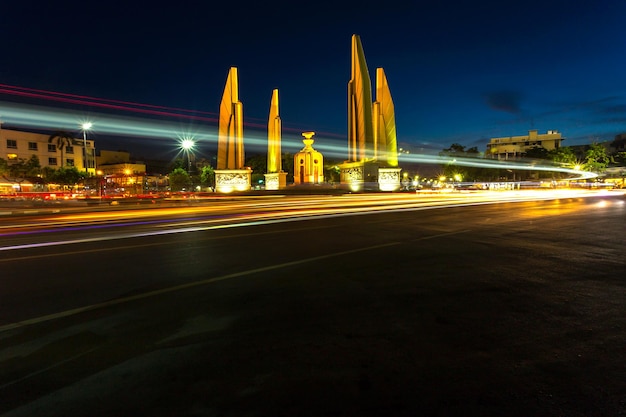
(85, 126)
(187, 145)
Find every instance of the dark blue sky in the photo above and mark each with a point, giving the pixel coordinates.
(459, 71)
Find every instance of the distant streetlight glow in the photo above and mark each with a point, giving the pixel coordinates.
(187, 145)
(85, 126)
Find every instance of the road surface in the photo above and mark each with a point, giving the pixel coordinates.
(342, 306)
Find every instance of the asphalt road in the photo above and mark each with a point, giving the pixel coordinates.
(508, 309)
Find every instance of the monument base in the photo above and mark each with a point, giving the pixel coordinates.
(276, 181)
(389, 179)
(229, 180)
(369, 176)
(359, 176)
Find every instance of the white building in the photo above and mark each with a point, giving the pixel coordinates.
(512, 147)
(52, 152)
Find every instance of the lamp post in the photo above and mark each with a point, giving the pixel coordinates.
(187, 145)
(85, 126)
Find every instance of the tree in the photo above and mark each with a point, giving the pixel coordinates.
(22, 169)
(537, 152)
(288, 166)
(619, 158)
(69, 176)
(179, 179)
(4, 166)
(596, 158)
(332, 172)
(178, 163)
(452, 170)
(258, 163)
(47, 173)
(455, 149)
(61, 139)
(33, 166)
(207, 176)
(563, 155)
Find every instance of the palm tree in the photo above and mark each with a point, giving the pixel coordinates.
(62, 139)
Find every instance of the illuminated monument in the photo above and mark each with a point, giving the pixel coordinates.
(372, 143)
(276, 178)
(308, 164)
(231, 175)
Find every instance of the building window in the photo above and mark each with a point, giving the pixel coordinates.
(52, 147)
(12, 157)
(52, 161)
(11, 144)
(69, 162)
(69, 149)
(32, 146)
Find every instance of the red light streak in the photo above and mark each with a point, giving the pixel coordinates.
(128, 106)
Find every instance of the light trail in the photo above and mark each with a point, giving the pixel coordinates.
(87, 100)
(26, 118)
(231, 215)
(46, 118)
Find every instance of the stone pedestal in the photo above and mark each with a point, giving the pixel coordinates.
(389, 179)
(229, 180)
(359, 176)
(276, 181)
(369, 176)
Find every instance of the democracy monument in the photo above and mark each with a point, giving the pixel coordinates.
(372, 144)
(372, 162)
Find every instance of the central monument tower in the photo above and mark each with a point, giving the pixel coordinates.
(372, 145)
(308, 164)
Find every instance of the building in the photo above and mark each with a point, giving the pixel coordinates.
(121, 175)
(54, 151)
(118, 162)
(513, 147)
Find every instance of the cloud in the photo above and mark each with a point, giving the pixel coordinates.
(505, 101)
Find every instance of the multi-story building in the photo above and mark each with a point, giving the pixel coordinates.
(512, 147)
(53, 152)
(120, 174)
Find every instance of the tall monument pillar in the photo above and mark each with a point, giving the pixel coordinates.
(360, 132)
(385, 140)
(275, 178)
(372, 155)
(384, 118)
(231, 175)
